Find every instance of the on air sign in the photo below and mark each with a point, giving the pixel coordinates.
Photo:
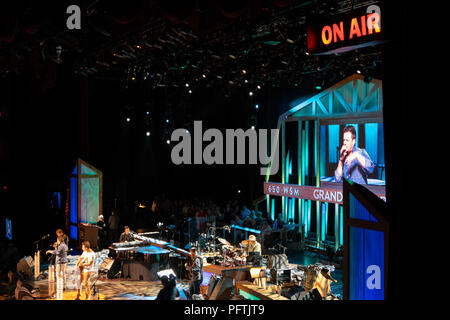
(340, 33)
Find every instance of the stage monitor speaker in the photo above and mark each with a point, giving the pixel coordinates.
(106, 264)
(314, 294)
(212, 284)
(292, 293)
(222, 290)
(278, 261)
(280, 275)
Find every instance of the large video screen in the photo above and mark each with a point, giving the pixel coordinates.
(353, 151)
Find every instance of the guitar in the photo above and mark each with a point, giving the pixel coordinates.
(80, 264)
(188, 266)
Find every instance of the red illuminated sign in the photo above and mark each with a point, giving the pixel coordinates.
(342, 33)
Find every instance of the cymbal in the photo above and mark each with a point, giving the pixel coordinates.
(223, 241)
(244, 242)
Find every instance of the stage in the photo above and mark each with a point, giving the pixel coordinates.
(113, 289)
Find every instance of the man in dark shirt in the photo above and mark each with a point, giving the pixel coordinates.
(101, 225)
(113, 226)
(195, 268)
(126, 236)
(60, 254)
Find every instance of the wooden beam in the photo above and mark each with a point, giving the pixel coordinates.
(342, 101)
(354, 95)
(368, 97)
(322, 107)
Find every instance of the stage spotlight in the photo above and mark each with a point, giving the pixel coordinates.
(256, 106)
(148, 133)
(244, 72)
(318, 87)
(187, 85)
(148, 112)
(133, 78)
(246, 81)
(258, 87)
(239, 191)
(204, 76)
(167, 273)
(250, 93)
(168, 141)
(252, 127)
(167, 120)
(190, 91)
(128, 119)
(358, 71)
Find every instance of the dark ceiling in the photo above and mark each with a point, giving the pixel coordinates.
(169, 43)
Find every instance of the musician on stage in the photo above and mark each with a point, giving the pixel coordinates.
(126, 236)
(101, 225)
(52, 261)
(85, 263)
(253, 250)
(60, 233)
(195, 267)
(60, 254)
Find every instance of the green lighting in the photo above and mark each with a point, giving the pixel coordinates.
(318, 88)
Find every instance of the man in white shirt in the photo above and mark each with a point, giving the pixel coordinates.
(85, 263)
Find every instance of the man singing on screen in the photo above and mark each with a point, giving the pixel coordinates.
(354, 163)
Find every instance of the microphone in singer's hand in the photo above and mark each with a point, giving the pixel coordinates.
(343, 154)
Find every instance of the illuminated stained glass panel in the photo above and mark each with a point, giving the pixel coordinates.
(90, 199)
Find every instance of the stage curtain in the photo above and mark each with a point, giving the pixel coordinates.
(282, 3)
(175, 14)
(8, 22)
(125, 12)
(232, 9)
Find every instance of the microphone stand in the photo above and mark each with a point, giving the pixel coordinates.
(37, 260)
(93, 288)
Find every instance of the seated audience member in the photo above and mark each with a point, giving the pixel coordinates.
(244, 212)
(265, 228)
(291, 230)
(266, 234)
(279, 228)
(236, 221)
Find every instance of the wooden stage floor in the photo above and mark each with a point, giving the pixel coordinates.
(110, 289)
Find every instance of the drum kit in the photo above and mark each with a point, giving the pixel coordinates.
(233, 256)
(222, 251)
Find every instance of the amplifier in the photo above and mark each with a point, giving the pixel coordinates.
(277, 261)
(280, 275)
